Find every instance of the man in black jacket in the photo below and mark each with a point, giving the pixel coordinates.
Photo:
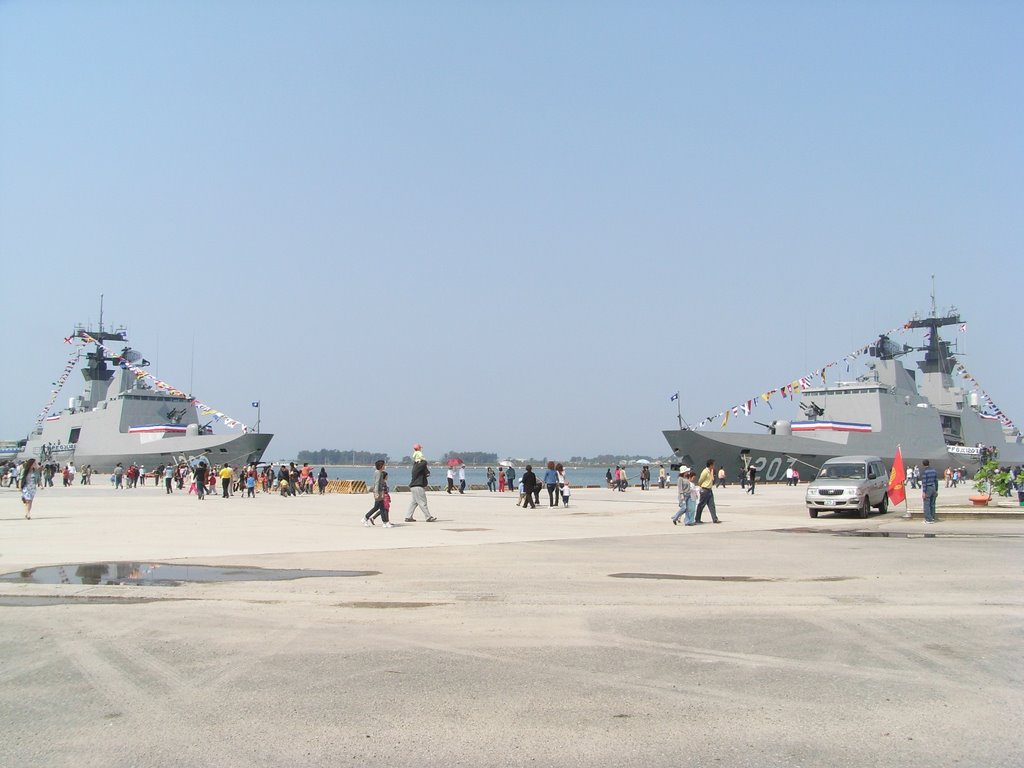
(418, 489)
(201, 480)
(529, 487)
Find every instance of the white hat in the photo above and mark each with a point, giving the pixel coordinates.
(683, 468)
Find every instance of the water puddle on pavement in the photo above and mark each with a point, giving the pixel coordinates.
(900, 534)
(160, 574)
(735, 579)
(685, 577)
(387, 604)
(35, 601)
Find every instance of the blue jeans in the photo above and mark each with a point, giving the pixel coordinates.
(929, 497)
(707, 499)
(679, 512)
(687, 508)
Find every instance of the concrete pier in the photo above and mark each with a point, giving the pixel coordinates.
(595, 635)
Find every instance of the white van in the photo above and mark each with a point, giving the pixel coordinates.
(849, 482)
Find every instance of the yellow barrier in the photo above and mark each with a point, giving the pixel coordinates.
(346, 486)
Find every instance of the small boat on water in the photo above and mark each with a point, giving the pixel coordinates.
(123, 418)
(927, 412)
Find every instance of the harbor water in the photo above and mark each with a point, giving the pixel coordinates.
(581, 476)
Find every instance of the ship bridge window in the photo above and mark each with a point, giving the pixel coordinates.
(75, 433)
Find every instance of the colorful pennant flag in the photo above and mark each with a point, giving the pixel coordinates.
(897, 480)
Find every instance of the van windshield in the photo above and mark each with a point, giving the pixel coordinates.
(842, 472)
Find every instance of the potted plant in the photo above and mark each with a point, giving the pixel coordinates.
(988, 479)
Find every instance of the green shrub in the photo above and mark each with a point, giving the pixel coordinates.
(991, 479)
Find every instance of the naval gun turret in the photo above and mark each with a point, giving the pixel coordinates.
(812, 410)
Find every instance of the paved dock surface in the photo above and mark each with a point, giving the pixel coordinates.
(598, 635)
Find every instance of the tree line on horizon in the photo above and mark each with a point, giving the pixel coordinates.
(471, 457)
(334, 456)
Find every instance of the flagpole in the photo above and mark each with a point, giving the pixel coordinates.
(679, 411)
(906, 496)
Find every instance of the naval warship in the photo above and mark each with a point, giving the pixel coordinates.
(924, 411)
(122, 419)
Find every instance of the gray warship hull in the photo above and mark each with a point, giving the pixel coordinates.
(771, 454)
(107, 450)
(925, 412)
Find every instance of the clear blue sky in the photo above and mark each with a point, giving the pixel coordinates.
(516, 227)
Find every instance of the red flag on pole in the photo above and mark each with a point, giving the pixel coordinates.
(897, 478)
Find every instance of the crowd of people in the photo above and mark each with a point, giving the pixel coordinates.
(502, 480)
(243, 481)
(291, 480)
(617, 480)
(554, 480)
(194, 478)
(47, 473)
(695, 492)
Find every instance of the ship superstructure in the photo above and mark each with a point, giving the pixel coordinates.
(925, 411)
(120, 417)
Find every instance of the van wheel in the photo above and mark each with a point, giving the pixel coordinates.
(812, 512)
(865, 507)
(884, 506)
